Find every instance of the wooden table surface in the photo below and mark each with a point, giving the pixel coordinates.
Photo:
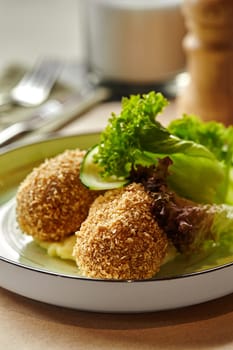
(26, 324)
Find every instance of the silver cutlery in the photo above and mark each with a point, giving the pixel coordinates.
(35, 86)
(54, 114)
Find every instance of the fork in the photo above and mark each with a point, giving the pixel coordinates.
(35, 86)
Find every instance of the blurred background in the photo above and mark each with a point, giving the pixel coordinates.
(30, 29)
(130, 42)
(129, 45)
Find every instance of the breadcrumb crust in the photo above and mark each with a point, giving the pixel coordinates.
(52, 202)
(120, 238)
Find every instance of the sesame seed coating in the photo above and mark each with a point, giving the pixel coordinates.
(51, 203)
(120, 238)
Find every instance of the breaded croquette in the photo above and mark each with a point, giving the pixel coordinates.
(52, 202)
(120, 239)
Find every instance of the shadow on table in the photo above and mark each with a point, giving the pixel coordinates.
(208, 325)
(208, 310)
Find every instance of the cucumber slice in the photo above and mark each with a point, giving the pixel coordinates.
(90, 174)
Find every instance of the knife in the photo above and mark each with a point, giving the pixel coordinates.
(54, 114)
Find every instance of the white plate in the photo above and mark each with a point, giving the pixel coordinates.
(27, 270)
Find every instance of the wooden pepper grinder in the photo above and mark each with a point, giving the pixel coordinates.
(208, 47)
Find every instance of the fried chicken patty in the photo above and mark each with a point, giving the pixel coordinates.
(51, 203)
(120, 238)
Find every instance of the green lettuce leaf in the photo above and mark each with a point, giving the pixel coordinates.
(218, 139)
(201, 152)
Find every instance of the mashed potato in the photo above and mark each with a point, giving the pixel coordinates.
(62, 250)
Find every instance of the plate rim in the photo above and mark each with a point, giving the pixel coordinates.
(83, 278)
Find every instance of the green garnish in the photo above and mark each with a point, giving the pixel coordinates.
(135, 137)
(201, 152)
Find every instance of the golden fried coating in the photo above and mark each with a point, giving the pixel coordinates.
(120, 238)
(52, 202)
